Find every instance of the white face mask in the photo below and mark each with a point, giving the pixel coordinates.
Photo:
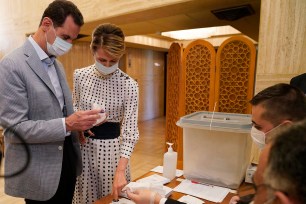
(259, 137)
(59, 46)
(106, 70)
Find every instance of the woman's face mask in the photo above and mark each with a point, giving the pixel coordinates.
(106, 70)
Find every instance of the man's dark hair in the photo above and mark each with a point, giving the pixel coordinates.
(59, 10)
(281, 102)
(287, 162)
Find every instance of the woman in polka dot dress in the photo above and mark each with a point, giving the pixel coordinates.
(106, 154)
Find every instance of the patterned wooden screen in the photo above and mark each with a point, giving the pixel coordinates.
(198, 77)
(235, 67)
(174, 68)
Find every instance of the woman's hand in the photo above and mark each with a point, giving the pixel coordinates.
(119, 183)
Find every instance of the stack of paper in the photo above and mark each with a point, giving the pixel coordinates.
(154, 179)
(208, 192)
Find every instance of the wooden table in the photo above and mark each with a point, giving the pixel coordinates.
(244, 189)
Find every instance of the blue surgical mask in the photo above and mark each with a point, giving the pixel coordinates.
(106, 70)
(59, 46)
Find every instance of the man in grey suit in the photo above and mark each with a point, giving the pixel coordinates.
(36, 104)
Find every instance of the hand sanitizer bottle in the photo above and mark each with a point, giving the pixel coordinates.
(170, 160)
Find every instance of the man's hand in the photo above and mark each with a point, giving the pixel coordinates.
(82, 120)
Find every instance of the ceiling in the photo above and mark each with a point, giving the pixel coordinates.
(187, 15)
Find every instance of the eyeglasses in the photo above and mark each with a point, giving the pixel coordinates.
(269, 187)
(256, 187)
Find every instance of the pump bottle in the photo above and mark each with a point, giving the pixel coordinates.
(170, 160)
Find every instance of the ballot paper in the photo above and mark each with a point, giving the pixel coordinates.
(155, 179)
(208, 192)
(159, 169)
(102, 114)
(190, 200)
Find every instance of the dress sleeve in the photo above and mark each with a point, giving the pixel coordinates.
(129, 126)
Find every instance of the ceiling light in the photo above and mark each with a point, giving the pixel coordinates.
(199, 33)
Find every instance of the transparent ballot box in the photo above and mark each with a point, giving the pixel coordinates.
(216, 147)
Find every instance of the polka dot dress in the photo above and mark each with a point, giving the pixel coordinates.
(100, 157)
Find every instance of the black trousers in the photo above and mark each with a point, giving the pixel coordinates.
(65, 190)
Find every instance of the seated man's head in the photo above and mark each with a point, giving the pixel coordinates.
(273, 106)
(284, 178)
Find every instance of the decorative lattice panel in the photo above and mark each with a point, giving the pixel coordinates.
(235, 66)
(199, 75)
(174, 67)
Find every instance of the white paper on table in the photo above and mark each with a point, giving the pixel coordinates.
(154, 179)
(208, 192)
(159, 169)
(102, 115)
(190, 200)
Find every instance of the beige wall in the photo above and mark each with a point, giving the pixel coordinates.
(147, 67)
(19, 17)
(282, 42)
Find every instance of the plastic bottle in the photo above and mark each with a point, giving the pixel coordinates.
(170, 160)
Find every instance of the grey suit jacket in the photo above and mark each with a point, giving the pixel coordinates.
(28, 105)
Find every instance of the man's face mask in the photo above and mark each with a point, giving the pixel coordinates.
(59, 46)
(259, 137)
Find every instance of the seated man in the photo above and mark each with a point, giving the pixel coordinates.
(274, 106)
(284, 178)
(271, 108)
